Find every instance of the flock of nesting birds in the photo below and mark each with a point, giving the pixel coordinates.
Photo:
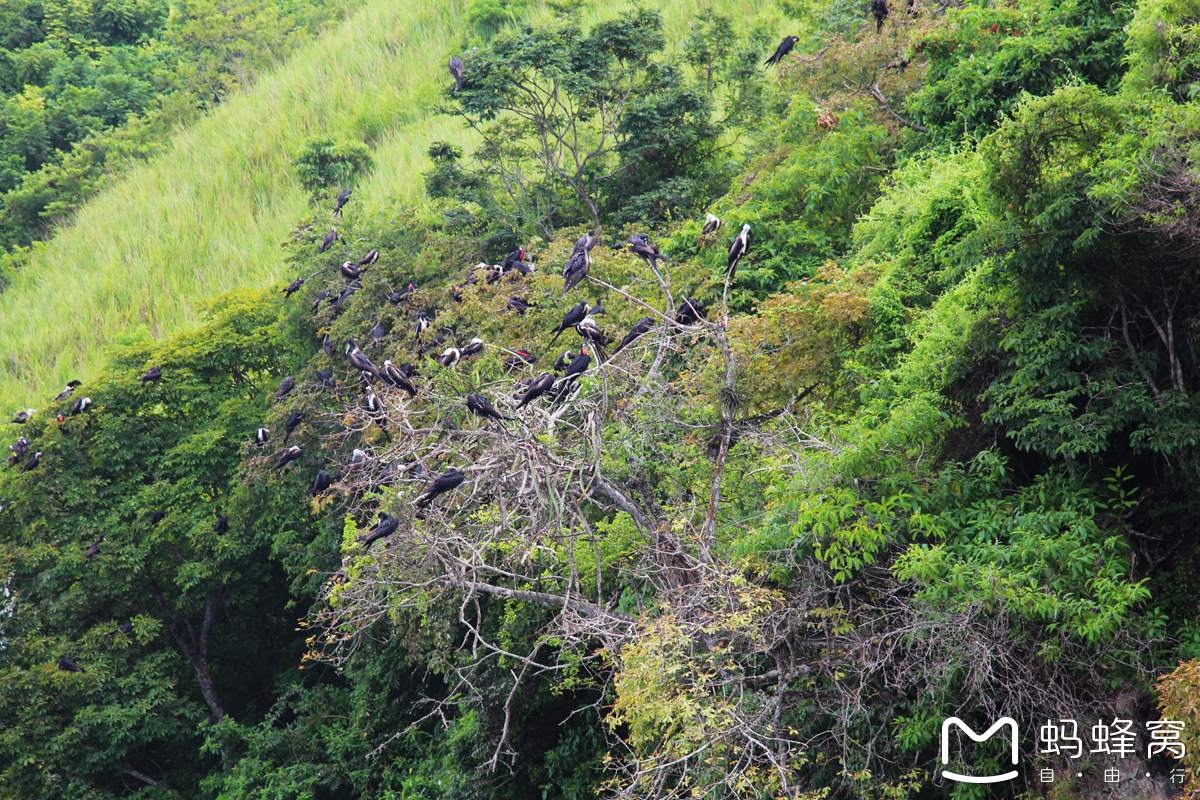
(557, 386)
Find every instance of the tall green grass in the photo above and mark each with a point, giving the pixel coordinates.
(209, 213)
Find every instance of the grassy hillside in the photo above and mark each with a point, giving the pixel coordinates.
(210, 213)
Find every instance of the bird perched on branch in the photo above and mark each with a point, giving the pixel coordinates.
(293, 422)
(518, 305)
(80, 405)
(95, 548)
(329, 239)
(474, 347)
(32, 463)
(289, 455)
(738, 248)
(321, 295)
(784, 48)
(483, 407)
(262, 436)
(359, 360)
(152, 374)
(449, 357)
(221, 525)
(590, 332)
(21, 417)
(563, 360)
(393, 375)
(711, 223)
(66, 392)
(457, 71)
(688, 313)
(292, 288)
(369, 258)
(386, 526)
(577, 366)
(285, 386)
(67, 665)
(536, 389)
(448, 481)
(572, 318)
(640, 246)
(879, 9)
(340, 201)
(642, 327)
(322, 482)
(577, 266)
(351, 272)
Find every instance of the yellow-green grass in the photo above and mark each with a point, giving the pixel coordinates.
(209, 213)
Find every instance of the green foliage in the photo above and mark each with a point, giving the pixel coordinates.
(324, 165)
(981, 60)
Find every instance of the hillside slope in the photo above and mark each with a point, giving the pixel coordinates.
(210, 213)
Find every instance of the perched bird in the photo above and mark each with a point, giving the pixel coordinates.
(563, 361)
(322, 482)
(95, 548)
(597, 310)
(32, 463)
(385, 527)
(784, 48)
(357, 459)
(22, 417)
(65, 393)
(292, 288)
(688, 313)
(373, 403)
(483, 407)
(341, 200)
(590, 332)
(293, 422)
(328, 241)
(518, 305)
(378, 332)
(512, 258)
(474, 347)
(328, 344)
(422, 323)
(447, 481)
(321, 295)
(157, 517)
(737, 249)
(642, 327)
(575, 270)
(326, 378)
(350, 271)
(285, 386)
(289, 455)
(261, 436)
(585, 242)
(398, 295)
(571, 318)
(222, 524)
(409, 370)
(879, 8)
(519, 359)
(450, 424)
(432, 344)
(578, 365)
(536, 389)
(457, 71)
(370, 258)
(67, 665)
(711, 224)
(449, 357)
(152, 374)
(393, 375)
(640, 246)
(359, 360)
(21, 447)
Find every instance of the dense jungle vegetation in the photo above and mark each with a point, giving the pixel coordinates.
(932, 450)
